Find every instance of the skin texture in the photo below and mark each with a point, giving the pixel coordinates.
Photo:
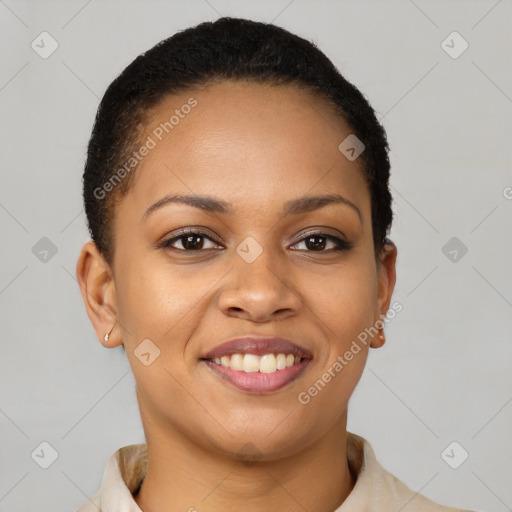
(256, 147)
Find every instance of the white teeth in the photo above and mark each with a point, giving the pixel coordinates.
(236, 362)
(281, 361)
(267, 363)
(251, 363)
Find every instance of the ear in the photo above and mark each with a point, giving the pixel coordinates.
(386, 278)
(98, 293)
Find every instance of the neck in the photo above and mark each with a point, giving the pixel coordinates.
(182, 475)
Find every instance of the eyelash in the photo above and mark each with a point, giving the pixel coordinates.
(341, 245)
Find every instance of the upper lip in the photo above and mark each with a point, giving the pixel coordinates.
(258, 345)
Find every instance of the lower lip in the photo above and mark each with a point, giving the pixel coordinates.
(257, 382)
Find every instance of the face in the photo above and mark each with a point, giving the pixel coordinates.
(261, 261)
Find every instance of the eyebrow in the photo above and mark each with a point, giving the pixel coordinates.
(297, 206)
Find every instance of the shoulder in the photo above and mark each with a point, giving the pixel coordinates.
(123, 473)
(376, 489)
(407, 500)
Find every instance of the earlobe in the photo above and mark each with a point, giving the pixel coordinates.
(379, 340)
(98, 293)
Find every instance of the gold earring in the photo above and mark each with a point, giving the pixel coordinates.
(107, 335)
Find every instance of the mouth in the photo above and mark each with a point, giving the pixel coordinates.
(258, 365)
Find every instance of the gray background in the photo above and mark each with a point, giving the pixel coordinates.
(444, 373)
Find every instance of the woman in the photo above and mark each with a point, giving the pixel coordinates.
(236, 191)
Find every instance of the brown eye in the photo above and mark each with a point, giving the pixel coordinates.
(190, 241)
(317, 242)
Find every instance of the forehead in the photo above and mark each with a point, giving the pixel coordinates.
(242, 140)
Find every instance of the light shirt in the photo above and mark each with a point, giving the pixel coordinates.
(375, 490)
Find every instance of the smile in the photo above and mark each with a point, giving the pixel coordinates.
(258, 374)
(267, 363)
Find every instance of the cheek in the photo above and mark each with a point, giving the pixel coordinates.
(153, 299)
(165, 305)
(344, 302)
(158, 308)
(345, 299)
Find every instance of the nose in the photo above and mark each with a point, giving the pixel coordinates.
(259, 291)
